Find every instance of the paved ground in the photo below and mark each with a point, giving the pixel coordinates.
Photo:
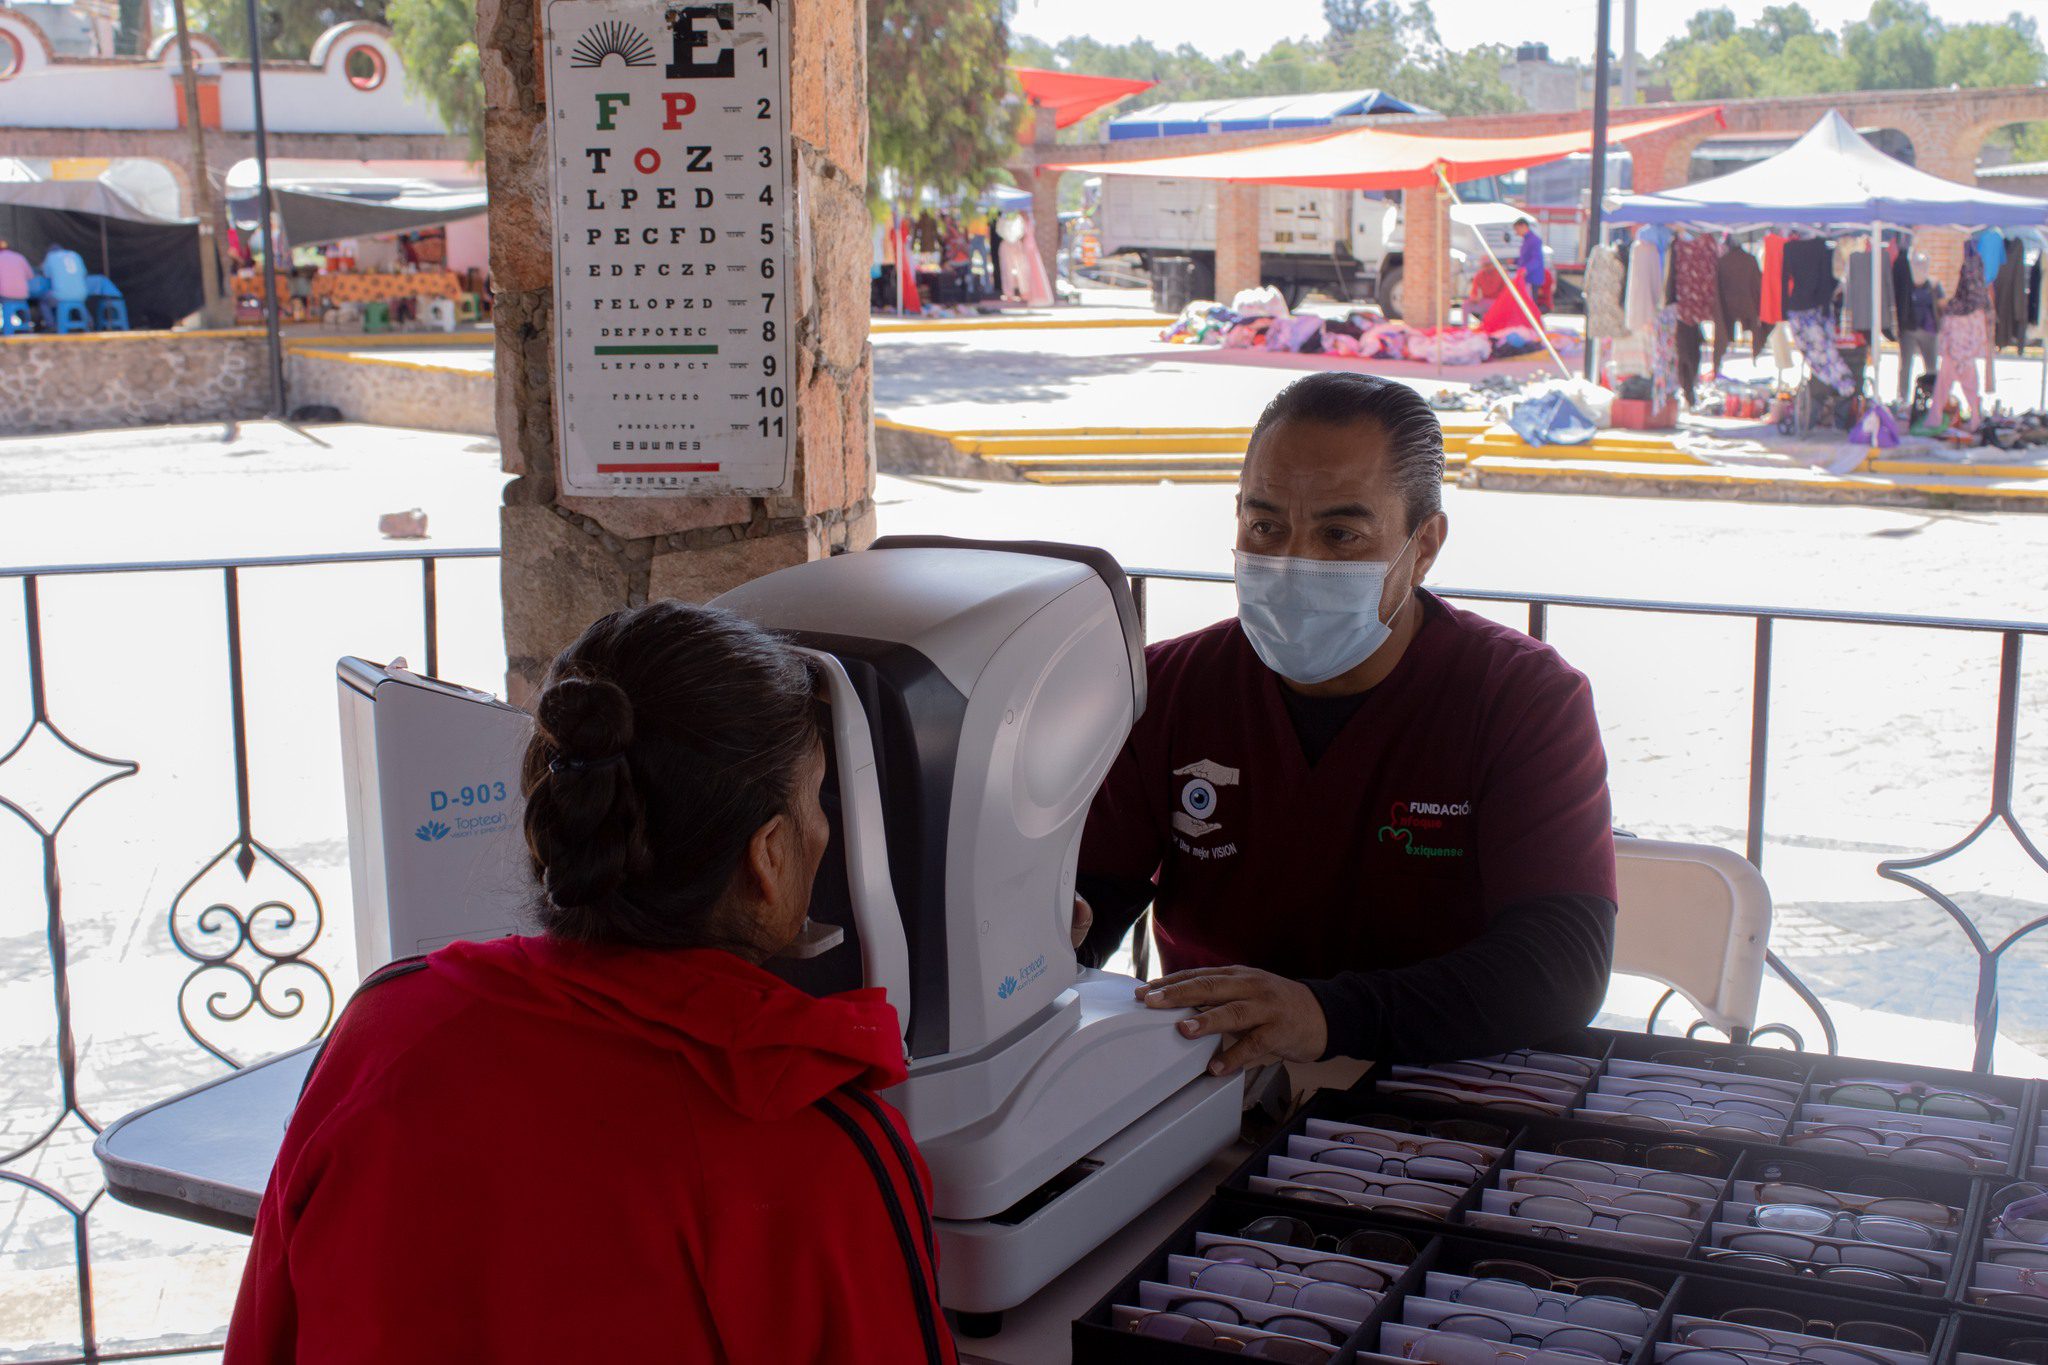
(1879, 739)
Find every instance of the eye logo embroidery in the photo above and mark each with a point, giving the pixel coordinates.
(1200, 797)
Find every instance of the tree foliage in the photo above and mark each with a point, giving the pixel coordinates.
(436, 39)
(936, 92)
(1391, 45)
(1899, 45)
(289, 26)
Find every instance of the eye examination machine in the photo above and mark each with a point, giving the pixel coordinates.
(978, 694)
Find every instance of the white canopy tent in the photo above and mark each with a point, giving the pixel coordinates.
(1833, 178)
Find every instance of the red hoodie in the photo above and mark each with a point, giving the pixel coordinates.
(527, 1151)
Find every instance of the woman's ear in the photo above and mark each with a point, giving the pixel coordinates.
(767, 851)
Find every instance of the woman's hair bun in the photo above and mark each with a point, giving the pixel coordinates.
(587, 720)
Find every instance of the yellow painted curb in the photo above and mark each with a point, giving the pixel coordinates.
(1000, 448)
(893, 326)
(1759, 478)
(343, 357)
(378, 340)
(1990, 471)
(72, 338)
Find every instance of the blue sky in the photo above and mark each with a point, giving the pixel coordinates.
(1217, 27)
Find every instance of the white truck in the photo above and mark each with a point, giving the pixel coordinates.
(1345, 243)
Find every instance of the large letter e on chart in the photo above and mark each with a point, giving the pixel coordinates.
(683, 63)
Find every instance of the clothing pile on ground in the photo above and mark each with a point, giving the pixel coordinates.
(1259, 319)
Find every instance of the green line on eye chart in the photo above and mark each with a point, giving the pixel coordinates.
(657, 350)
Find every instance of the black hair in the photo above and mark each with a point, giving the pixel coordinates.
(665, 736)
(1415, 439)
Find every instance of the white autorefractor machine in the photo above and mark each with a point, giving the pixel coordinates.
(979, 693)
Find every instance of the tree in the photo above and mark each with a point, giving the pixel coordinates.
(937, 87)
(1723, 70)
(436, 39)
(1894, 48)
(289, 26)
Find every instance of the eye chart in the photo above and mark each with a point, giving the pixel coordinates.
(669, 141)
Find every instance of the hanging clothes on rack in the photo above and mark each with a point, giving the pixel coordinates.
(1813, 332)
(1809, 276)
(1965, 338)
(2009, 297)
(1604, 321)
(1694, 289)
(1738, 298)
(1857, 295)
(1771, 300)
(1919, 308)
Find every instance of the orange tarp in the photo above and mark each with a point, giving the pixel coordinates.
(1372, 159)
(1071, 96)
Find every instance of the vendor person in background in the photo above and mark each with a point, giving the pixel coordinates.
(1529, 264)
(1369, 824)
(621, 1139)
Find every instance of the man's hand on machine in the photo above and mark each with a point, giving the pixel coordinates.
(1275, 1019)
(1084, 920)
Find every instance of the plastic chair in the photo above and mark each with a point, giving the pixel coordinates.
(377, 316)
(109, 314)
(69, 315)
(440, 314)
(469, 308)
(1698, 919)
(15, 317)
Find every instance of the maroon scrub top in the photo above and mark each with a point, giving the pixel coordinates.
(1471, 779)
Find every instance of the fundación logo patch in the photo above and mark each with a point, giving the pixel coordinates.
(1423, 829)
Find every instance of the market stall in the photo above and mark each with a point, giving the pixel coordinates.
(152, 262)
(1833, 183)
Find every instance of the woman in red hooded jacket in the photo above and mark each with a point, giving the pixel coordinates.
(621, 1139)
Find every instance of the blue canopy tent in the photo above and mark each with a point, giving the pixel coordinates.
(1832, 178)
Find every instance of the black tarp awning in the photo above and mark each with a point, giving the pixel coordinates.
(313, 212)
(154, 262)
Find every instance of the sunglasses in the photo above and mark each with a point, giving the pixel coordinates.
(1750, 1064)
(1919, 1210)
(1784, 1353)
(1881, 1334)
(1735, 1113)
(2032, 1350)
(1770, 1170)
(1193, 1331)
(1943, 1153)
(1541, 1060)
(2031, 1302)
(1230, 1315)
(1536, 1107)
(1607, 1312)
(2022, 1214)
(1369, 1245)
(1863, 1227)
(1496, 1071)
(1454, 1130)
(1730, 1131)
(1536, 1277)
(1756, 1087)
(1911, 1097)
(1476, 1156)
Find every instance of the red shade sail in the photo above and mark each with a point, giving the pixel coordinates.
(1373, 159)
(1073, 97)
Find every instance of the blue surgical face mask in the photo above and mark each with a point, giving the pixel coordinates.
(1311, 620)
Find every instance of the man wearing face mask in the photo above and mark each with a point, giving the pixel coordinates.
(1370, 824)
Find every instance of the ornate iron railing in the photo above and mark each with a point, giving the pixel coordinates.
(246, 957)
(250, 952)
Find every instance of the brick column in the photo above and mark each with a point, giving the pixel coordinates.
(568, 560)
(1663, 161)
(1425, 257)
(1237, 238)
(1951, 153)
(1045, 197)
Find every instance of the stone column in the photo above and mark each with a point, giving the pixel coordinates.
(1425, 257)
(1237, 238)
(1045, 197)
(568, 560)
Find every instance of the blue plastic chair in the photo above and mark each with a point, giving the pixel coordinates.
(69, 315)
(15, 317)
(109, 313)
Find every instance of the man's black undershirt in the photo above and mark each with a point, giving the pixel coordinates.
(1538, 970)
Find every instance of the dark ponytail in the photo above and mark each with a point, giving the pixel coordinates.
(664, 737)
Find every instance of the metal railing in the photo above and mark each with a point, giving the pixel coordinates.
(254, 959)
(245, 958)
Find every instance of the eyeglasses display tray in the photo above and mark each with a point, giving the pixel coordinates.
(1637, 1199)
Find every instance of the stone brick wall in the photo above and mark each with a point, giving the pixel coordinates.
(570, 560)
(130, 379)
(393, 391)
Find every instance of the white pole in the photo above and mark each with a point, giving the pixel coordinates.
(1877, 312)
(1527, 304)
